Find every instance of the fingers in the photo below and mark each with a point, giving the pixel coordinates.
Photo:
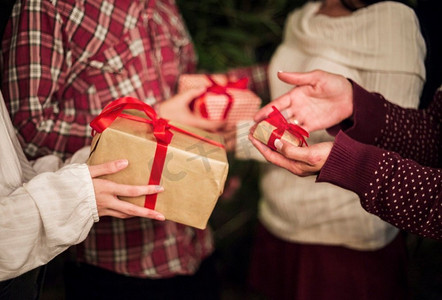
(294, 78)
(270, 155)
(108, 168)
(280, 160)
(280, 103)
(308, 159)
(123, 209)
(117, 214)
(253, 128)
(190, 94)
(287, 157)
(108, 204)
(286, 102)
(292, 152)
(129, 190)
(283, 102)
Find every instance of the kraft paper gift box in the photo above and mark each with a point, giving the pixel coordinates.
(224, 99)
(190, 164)
(275, 126)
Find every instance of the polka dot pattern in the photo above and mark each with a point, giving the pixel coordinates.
(403, 191)
(406, 195)
(399, 180)
(413, 134)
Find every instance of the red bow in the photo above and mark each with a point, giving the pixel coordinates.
(161, 131)
(277, 119)
(216, 88)
(161, 127)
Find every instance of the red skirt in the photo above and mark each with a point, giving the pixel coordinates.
(284, 270)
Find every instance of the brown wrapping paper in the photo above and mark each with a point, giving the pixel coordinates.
(193, 176)
(264, 130)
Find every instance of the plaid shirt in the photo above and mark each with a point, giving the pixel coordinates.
(63, 61)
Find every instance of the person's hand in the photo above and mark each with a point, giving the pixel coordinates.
(177, 109)
(301, 161)
(106, 193)
(319, 100)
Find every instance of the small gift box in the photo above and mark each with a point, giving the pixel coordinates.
(190, 164)
(224, 99)
(275, 126)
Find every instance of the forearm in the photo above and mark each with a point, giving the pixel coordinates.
(44, 217)
(398, 190)
(412, 133)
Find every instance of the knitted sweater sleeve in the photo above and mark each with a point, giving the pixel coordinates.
(414, 134)
(399, 178)
(398, 190)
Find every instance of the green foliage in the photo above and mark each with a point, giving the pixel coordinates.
(229, 34)
(232, 33)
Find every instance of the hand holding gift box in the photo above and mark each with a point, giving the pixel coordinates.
(190, 164)
(275, 126)
(224, 98)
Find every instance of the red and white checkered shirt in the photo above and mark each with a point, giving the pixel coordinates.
(63, 61)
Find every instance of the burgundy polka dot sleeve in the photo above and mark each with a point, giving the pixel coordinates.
(399, 178)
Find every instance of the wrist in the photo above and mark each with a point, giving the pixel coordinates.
(349, 108)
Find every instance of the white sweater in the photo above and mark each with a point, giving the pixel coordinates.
(381, 48)
(40, 215)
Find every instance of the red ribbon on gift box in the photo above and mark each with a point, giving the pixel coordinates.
(161, 131)
(277, 119)
(216, 88)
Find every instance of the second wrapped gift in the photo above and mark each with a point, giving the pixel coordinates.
(224, 98)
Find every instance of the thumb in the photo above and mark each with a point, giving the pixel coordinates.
(108, 167)
(289, 151)
(296, 78)
(192, 93)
